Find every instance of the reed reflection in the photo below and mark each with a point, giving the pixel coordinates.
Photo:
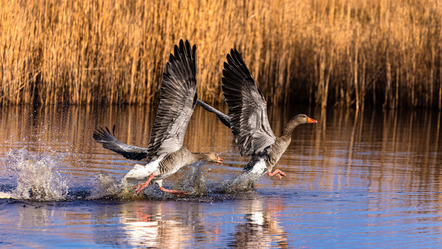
(370, 149)
(67, 130)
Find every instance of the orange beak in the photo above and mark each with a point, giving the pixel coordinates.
(220, 160)
(310, 120)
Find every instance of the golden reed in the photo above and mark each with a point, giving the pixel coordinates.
(328, 52)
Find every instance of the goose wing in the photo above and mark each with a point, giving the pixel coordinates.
(247, 107)
(222, 117)
(107, 138)
(177, 101)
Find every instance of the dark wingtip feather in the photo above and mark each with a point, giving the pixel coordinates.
(188, 49)
(103, 134)
(229, 59)
(108, 140)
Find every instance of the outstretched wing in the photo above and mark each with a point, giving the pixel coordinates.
(222, 117)
(109, 141)
(247, 107)
(177, 101)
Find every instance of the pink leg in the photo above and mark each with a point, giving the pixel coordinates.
(277, 172)
(142, 186)
(174, 191)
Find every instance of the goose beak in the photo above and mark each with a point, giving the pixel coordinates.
(220, 160)
(310, 120)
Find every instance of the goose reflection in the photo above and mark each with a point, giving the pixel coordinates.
(164, 225)
(147, 227)
(261, 228)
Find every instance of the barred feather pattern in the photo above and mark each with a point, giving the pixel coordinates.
(247, 107)
(177, 102)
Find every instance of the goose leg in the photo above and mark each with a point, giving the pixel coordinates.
(174, 191)
(142, 186)
(277, 172)
(160, 183)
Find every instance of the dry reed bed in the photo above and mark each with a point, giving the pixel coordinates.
(328, 52)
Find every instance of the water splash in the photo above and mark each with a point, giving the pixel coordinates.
(107, 186)
(244, 182)
(193, 181)
(37, 180)
(36, 176)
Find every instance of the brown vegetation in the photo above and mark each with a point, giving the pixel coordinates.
(328, 52)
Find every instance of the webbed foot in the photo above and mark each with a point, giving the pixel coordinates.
(277, 172)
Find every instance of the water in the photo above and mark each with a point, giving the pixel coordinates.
(354, 180)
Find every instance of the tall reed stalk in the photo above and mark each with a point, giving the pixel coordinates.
(329, 52)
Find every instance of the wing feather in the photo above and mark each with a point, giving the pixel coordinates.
(177, 101)
(225, 119)
(247, 107)
(107, 138)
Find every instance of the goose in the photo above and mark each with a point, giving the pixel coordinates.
(165, 154)
(248, 121)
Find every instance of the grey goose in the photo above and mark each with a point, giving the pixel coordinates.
(165, 154)
(248, 121)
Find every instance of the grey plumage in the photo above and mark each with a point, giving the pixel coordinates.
(177, 101)
(165, 153)
(109, 141)
(248, 120)
(247, 107)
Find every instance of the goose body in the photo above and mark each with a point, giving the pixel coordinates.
(169, 165)
(165, 154)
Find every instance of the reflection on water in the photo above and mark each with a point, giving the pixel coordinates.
(153, 224)
(366, 179)
(261, 228)
(394, 151)
(142, 225)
